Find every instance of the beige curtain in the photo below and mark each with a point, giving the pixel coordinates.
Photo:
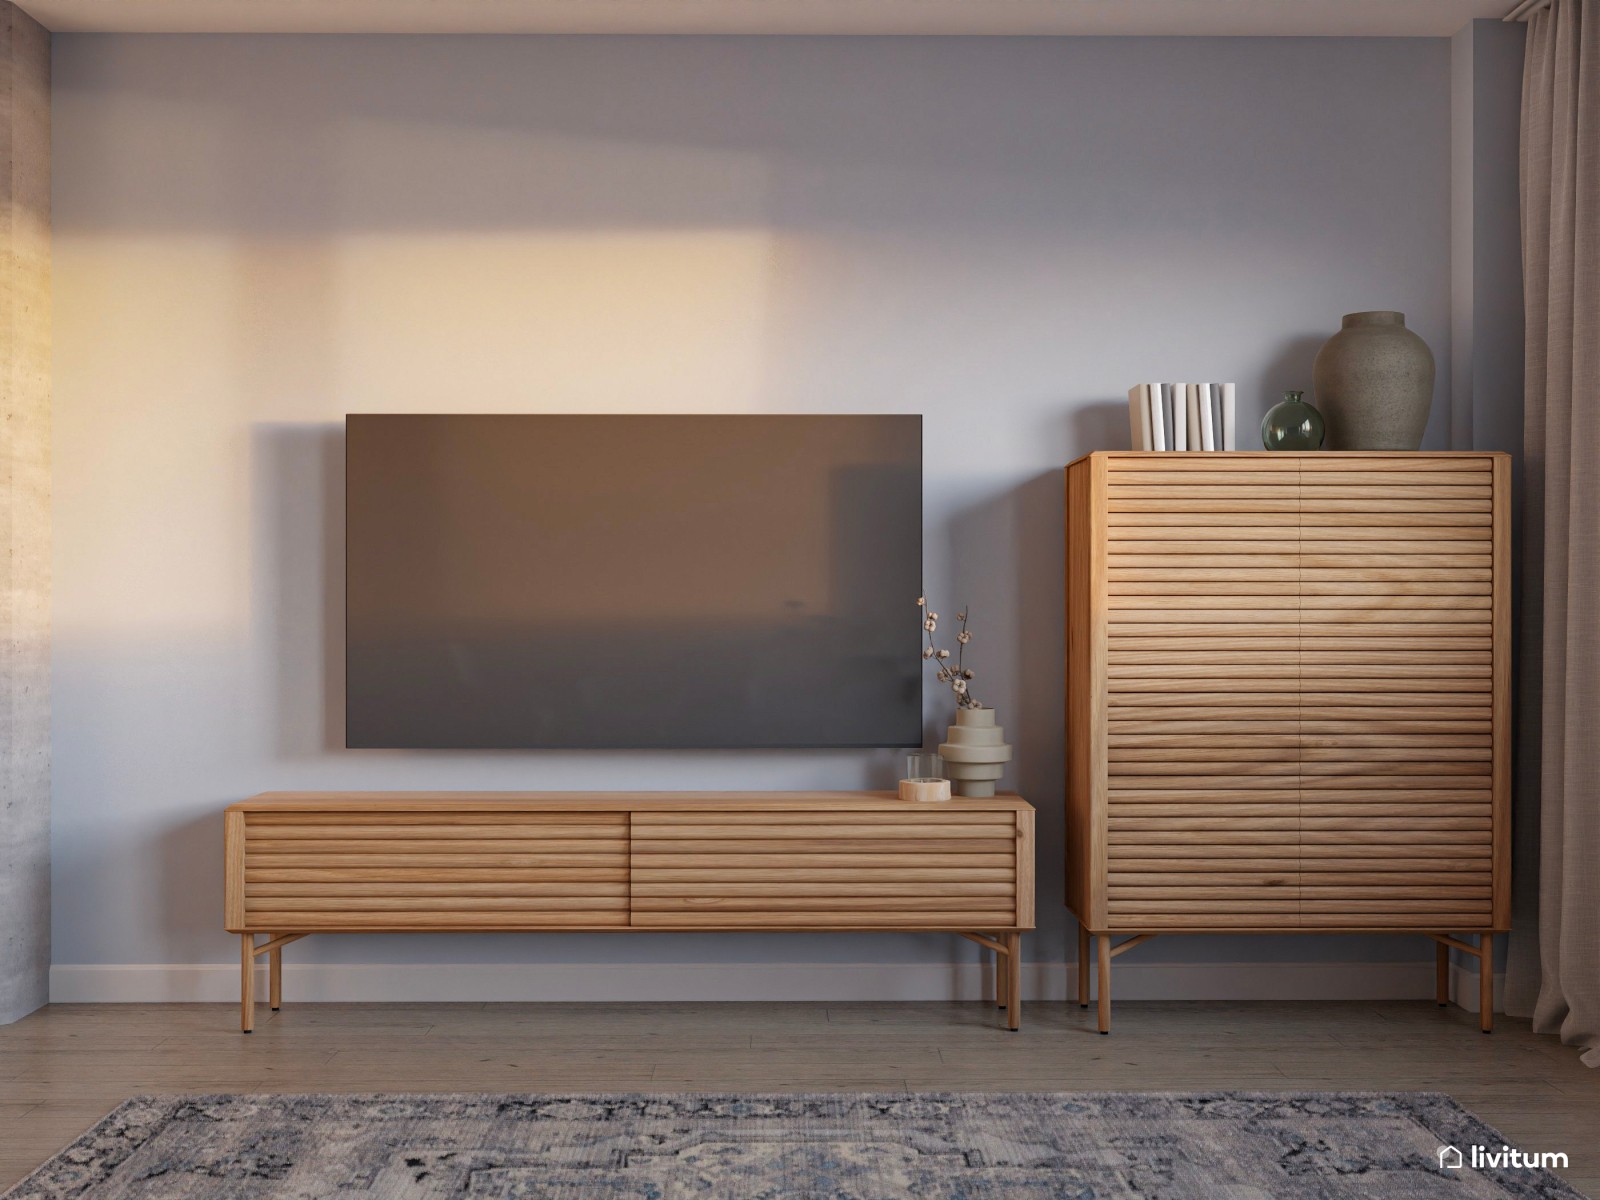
(1555, 977)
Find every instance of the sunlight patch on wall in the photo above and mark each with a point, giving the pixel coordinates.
(294, 331)
(603, 322)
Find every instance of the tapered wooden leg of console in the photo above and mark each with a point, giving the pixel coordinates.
(1102, 982)
(275, 978)
(1002, 974)
(247, 982)
(1013, 981)
(1486, 982)
(1083, 967)
(1441, 974)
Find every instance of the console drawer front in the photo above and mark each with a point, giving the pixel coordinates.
(392, 869)
(808, 869)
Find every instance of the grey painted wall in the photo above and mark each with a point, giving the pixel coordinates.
(1486, 249)
(256, 235)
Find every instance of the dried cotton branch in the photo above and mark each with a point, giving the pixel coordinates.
(957, 675)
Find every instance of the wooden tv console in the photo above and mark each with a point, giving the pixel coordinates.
(360, 862)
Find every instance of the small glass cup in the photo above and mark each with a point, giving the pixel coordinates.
(924, 778)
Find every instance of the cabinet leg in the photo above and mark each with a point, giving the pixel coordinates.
(275, 978)
(1441, 974)
(247, 982)
(1013, 981)
(1102, 983)
(1002, 972)
(1083, 967)
(1486, 982)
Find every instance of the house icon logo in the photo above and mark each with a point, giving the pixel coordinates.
(1449, 1158)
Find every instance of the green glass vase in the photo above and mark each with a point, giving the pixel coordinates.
(1292, 424)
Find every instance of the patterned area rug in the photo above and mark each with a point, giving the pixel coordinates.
(1233, 1145)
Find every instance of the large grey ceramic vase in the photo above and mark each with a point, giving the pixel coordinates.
(1374, 382)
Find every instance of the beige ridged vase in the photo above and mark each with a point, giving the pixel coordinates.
(975, 754)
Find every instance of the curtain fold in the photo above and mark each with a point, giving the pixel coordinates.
(1557, 973)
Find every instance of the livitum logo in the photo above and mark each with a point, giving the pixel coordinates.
(1505, 1158)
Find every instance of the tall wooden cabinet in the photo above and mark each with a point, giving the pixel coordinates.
(1288, 698)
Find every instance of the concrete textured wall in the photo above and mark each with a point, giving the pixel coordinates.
(257, 235)
(24, 513)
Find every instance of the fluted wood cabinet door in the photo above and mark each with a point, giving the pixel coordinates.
(1288, 691)
(1398, 662)
(1202, 712)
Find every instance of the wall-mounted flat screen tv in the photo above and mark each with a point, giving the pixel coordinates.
(633, 581)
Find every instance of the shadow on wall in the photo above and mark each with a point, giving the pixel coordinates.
(1099, 425)
(1288, 370)
(1010, 572)
(298, 589)
(298, 584)
(190, 883)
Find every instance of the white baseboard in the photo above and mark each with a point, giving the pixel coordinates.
(1464, 987)
(218, 982)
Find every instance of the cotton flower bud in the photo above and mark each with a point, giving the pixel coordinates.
(931, 624)
(963, 637)
(960, 687)
(944, 654)
(927, 652)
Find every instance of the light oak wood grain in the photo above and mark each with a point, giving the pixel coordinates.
(1302, 667)
(1001, 908)
(1501, 837)
(582, 806)
(412, 888)
(822, 921)
(1005, 873)
(440, 875)
(391, 862)
(908, 842)
(859, 861)
(649, 821)
(859, 889)
(310, 836)
(443, 906)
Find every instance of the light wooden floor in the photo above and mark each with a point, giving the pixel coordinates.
(67, 1065)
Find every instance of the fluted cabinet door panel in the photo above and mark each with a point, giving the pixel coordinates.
(1289, 691)
(1202, 704)
(1397, 668)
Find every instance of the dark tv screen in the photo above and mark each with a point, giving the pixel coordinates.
(633, 581)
